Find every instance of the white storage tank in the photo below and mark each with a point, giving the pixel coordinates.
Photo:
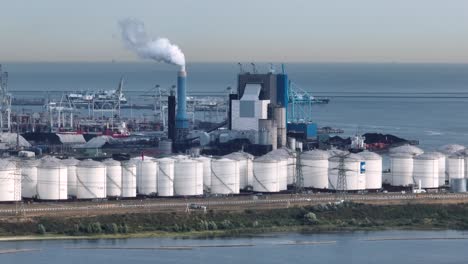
(188, 177)
(10, 182)
(456, 166)
(165, 177)
(147, 176)
(449, 150)
(224, 176)
(91, 180)
(265, 174)
(353, 165)
(114, 178)
(287, 163)
(29, 178)
(71, 175)
(442, 168)
(426, 170)
(52, 180)
(206, 171)
(401, 168)
(129, 171)
(373, 170)
(245, 168)
(314, 164)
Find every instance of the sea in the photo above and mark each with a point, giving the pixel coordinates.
(425, 102)
(383, 247)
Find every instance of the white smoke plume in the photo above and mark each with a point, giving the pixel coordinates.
(159, 49)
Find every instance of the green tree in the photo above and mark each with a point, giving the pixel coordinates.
(310, 218)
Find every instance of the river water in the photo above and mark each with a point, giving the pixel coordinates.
(428, 247)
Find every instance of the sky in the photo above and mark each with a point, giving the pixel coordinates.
(241, 30)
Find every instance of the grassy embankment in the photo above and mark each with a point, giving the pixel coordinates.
(319, 218)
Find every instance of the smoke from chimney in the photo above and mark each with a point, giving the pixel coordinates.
(160, 49)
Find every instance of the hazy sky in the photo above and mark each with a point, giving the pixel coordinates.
(238, 30)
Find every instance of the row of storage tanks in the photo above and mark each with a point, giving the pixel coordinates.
(52, 179)
(410, 165)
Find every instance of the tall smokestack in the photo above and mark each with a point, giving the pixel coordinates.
(181, 116)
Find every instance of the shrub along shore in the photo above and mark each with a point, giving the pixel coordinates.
(317, 218)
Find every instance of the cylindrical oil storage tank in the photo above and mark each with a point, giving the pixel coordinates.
(426, 170)
(401, 168)
(442, 167)
(224, 176)
(188, 177)
(114, 178)
(314, 164)
(352, 165)
(287, 166)
(456, 166)
(449, 150)
(129, 172)
(91, 180)
(71, 175)
(147, 176)
(245, 161)
(265, 174)
(52, 180)
(282, 170)
(165, 147)
(29, 178)
(10, 182)
(458, 185)
(206, 171)
(165, 177)
(373, 170)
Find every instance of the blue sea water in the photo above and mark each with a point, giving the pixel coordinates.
(385, 247)
(425, 102)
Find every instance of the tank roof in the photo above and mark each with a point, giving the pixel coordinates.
(111, 162)
(266, 158)
(413, 150)
(401, 155)
(89, 163)
(451, 149)
(239, 155)
(428, 156)
(166, 160)
(70, 162)
(30, 162)
(51, 163)
(315, 154)
(347, 157)
(222, 160)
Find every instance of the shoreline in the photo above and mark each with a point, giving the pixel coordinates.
(313, 219)
(236, 233)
